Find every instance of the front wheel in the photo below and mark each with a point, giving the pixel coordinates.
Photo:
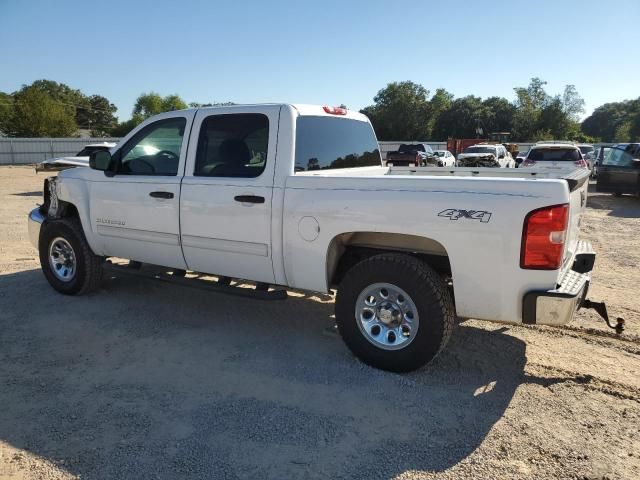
(66, 259)
(394, 312)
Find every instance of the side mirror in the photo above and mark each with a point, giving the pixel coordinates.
(100, 160)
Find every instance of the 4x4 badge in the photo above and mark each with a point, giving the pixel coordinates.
(455, 214)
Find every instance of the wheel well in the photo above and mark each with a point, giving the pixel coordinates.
(348, 249)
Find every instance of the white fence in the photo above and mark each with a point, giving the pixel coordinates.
(14, 151)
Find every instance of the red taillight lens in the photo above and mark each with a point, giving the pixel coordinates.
(543, 238)
(335, 110)
(581, 163)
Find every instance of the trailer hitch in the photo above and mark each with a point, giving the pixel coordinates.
(601, 309)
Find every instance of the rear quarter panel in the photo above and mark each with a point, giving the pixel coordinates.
(484, 256)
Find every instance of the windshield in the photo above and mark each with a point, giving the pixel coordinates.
(554, 154)
(411, 148)
(480, 150)
(86, 151)
(439, 153)
(326, 142)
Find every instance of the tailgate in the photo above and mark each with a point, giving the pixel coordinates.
(578, 188)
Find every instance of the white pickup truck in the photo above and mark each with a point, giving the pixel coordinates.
(296, 196)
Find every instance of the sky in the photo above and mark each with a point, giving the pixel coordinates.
(321, 52)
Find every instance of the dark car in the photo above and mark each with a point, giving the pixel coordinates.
(619, 171)
(412, 154)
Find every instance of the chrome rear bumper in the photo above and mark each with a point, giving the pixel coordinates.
(557, 306)
(35, 222)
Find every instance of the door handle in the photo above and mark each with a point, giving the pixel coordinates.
(161, 194)
(248, 199)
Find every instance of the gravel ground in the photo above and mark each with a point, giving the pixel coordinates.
(148, 380)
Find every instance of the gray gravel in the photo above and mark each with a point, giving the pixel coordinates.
(146, 380)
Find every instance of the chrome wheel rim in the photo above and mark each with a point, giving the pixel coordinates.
(62, 259)
(387, 316)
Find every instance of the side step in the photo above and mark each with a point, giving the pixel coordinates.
(261, 292)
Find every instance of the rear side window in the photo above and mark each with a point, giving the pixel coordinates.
(232, 145)
(622, 155)
(326, 143)
(554, 154)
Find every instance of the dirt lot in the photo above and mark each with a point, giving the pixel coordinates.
(146, 380)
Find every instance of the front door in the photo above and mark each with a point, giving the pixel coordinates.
(225, 205)
(135, 212)
(619, 171)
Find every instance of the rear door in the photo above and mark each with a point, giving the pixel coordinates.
(620, 170)
(225, 204)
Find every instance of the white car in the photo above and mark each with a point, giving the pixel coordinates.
(559, 154)
(81, 159)
(445, 158)
(486, 155)
(297, 196)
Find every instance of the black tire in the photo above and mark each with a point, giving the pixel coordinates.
(88, 266)
(428, 292)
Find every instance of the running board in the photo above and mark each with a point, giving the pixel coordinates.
(260, 292)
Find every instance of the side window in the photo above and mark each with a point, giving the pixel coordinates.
(154, 150)
(232, 145)
(619, 156)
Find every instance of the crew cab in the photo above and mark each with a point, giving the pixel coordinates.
(486, 155)
(412, 154)
(297, 196)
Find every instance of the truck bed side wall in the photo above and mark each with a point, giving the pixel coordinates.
(484, 256)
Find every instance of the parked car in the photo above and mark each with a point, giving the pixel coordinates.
(555, 154)
(600, 154)
(414, 154)
(486, 155)
(271, 194)
(619, 171)
(81, 159)
(445, 158)
(520, 158)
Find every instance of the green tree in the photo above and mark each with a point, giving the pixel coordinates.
(101, 116)
(498, 113)
(614, 122)
(147, 105)
(6, 112)
(462, 120)
(37, 114)
(438, 104)
(400, 112)
(572, 103)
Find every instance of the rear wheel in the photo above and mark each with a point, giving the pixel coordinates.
(394, 312)
(66, 259)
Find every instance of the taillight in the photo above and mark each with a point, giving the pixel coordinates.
(528, 163)
(543, 237)
(335, 110)
(581, 163)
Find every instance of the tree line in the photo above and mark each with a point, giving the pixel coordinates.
(401, 111)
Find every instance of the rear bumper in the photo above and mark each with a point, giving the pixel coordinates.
(558, 306)
(35, 222)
